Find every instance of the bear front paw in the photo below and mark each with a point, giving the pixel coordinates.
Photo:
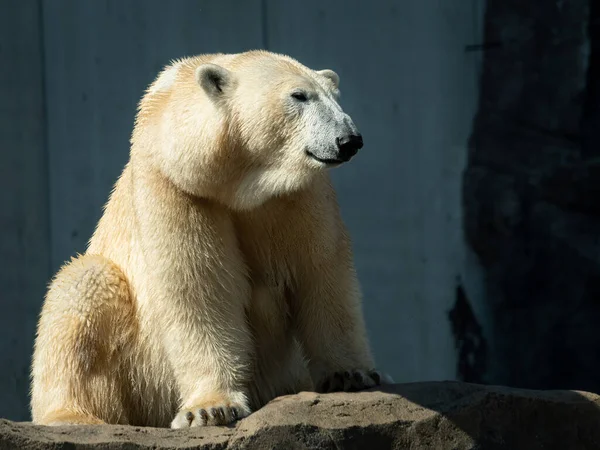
(214, 412)
(353, 380)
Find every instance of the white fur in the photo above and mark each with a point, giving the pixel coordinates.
(220, 274)
(166, 79)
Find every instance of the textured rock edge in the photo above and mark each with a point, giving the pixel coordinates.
(418, 415)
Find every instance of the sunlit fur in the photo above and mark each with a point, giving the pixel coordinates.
(220, 273)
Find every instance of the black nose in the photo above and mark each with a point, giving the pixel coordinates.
(349, 145)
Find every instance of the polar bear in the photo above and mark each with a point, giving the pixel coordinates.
(220, 274)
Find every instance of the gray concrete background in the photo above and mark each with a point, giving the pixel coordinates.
(71, 73)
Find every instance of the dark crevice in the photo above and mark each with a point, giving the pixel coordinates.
(469, 340)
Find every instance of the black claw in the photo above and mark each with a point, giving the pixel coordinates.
(204, 416)
(376, 377)
(189, 416)
(347, 385)
(358, 379)
(339, 381)
(220, 415)
(326, 385)
(233, 412)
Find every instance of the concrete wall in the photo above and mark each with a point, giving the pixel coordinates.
(24, 226)
(68, 108)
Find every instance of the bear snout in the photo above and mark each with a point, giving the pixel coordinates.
(348, 146)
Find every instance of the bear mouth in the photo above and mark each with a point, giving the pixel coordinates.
(326, 161)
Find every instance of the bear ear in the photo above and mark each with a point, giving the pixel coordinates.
(215, 80)
(331, 75)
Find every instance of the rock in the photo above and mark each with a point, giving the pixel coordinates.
(436, 415)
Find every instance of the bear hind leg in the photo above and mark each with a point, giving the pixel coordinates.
(86, 324)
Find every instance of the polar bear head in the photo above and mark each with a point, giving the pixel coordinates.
(244, 128)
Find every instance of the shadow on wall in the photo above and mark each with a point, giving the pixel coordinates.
(530, 193)
(469, 339)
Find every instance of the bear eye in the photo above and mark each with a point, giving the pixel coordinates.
(300, 96)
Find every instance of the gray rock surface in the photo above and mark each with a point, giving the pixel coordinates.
(435, 415)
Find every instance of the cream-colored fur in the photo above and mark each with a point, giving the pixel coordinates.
(220, 275)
